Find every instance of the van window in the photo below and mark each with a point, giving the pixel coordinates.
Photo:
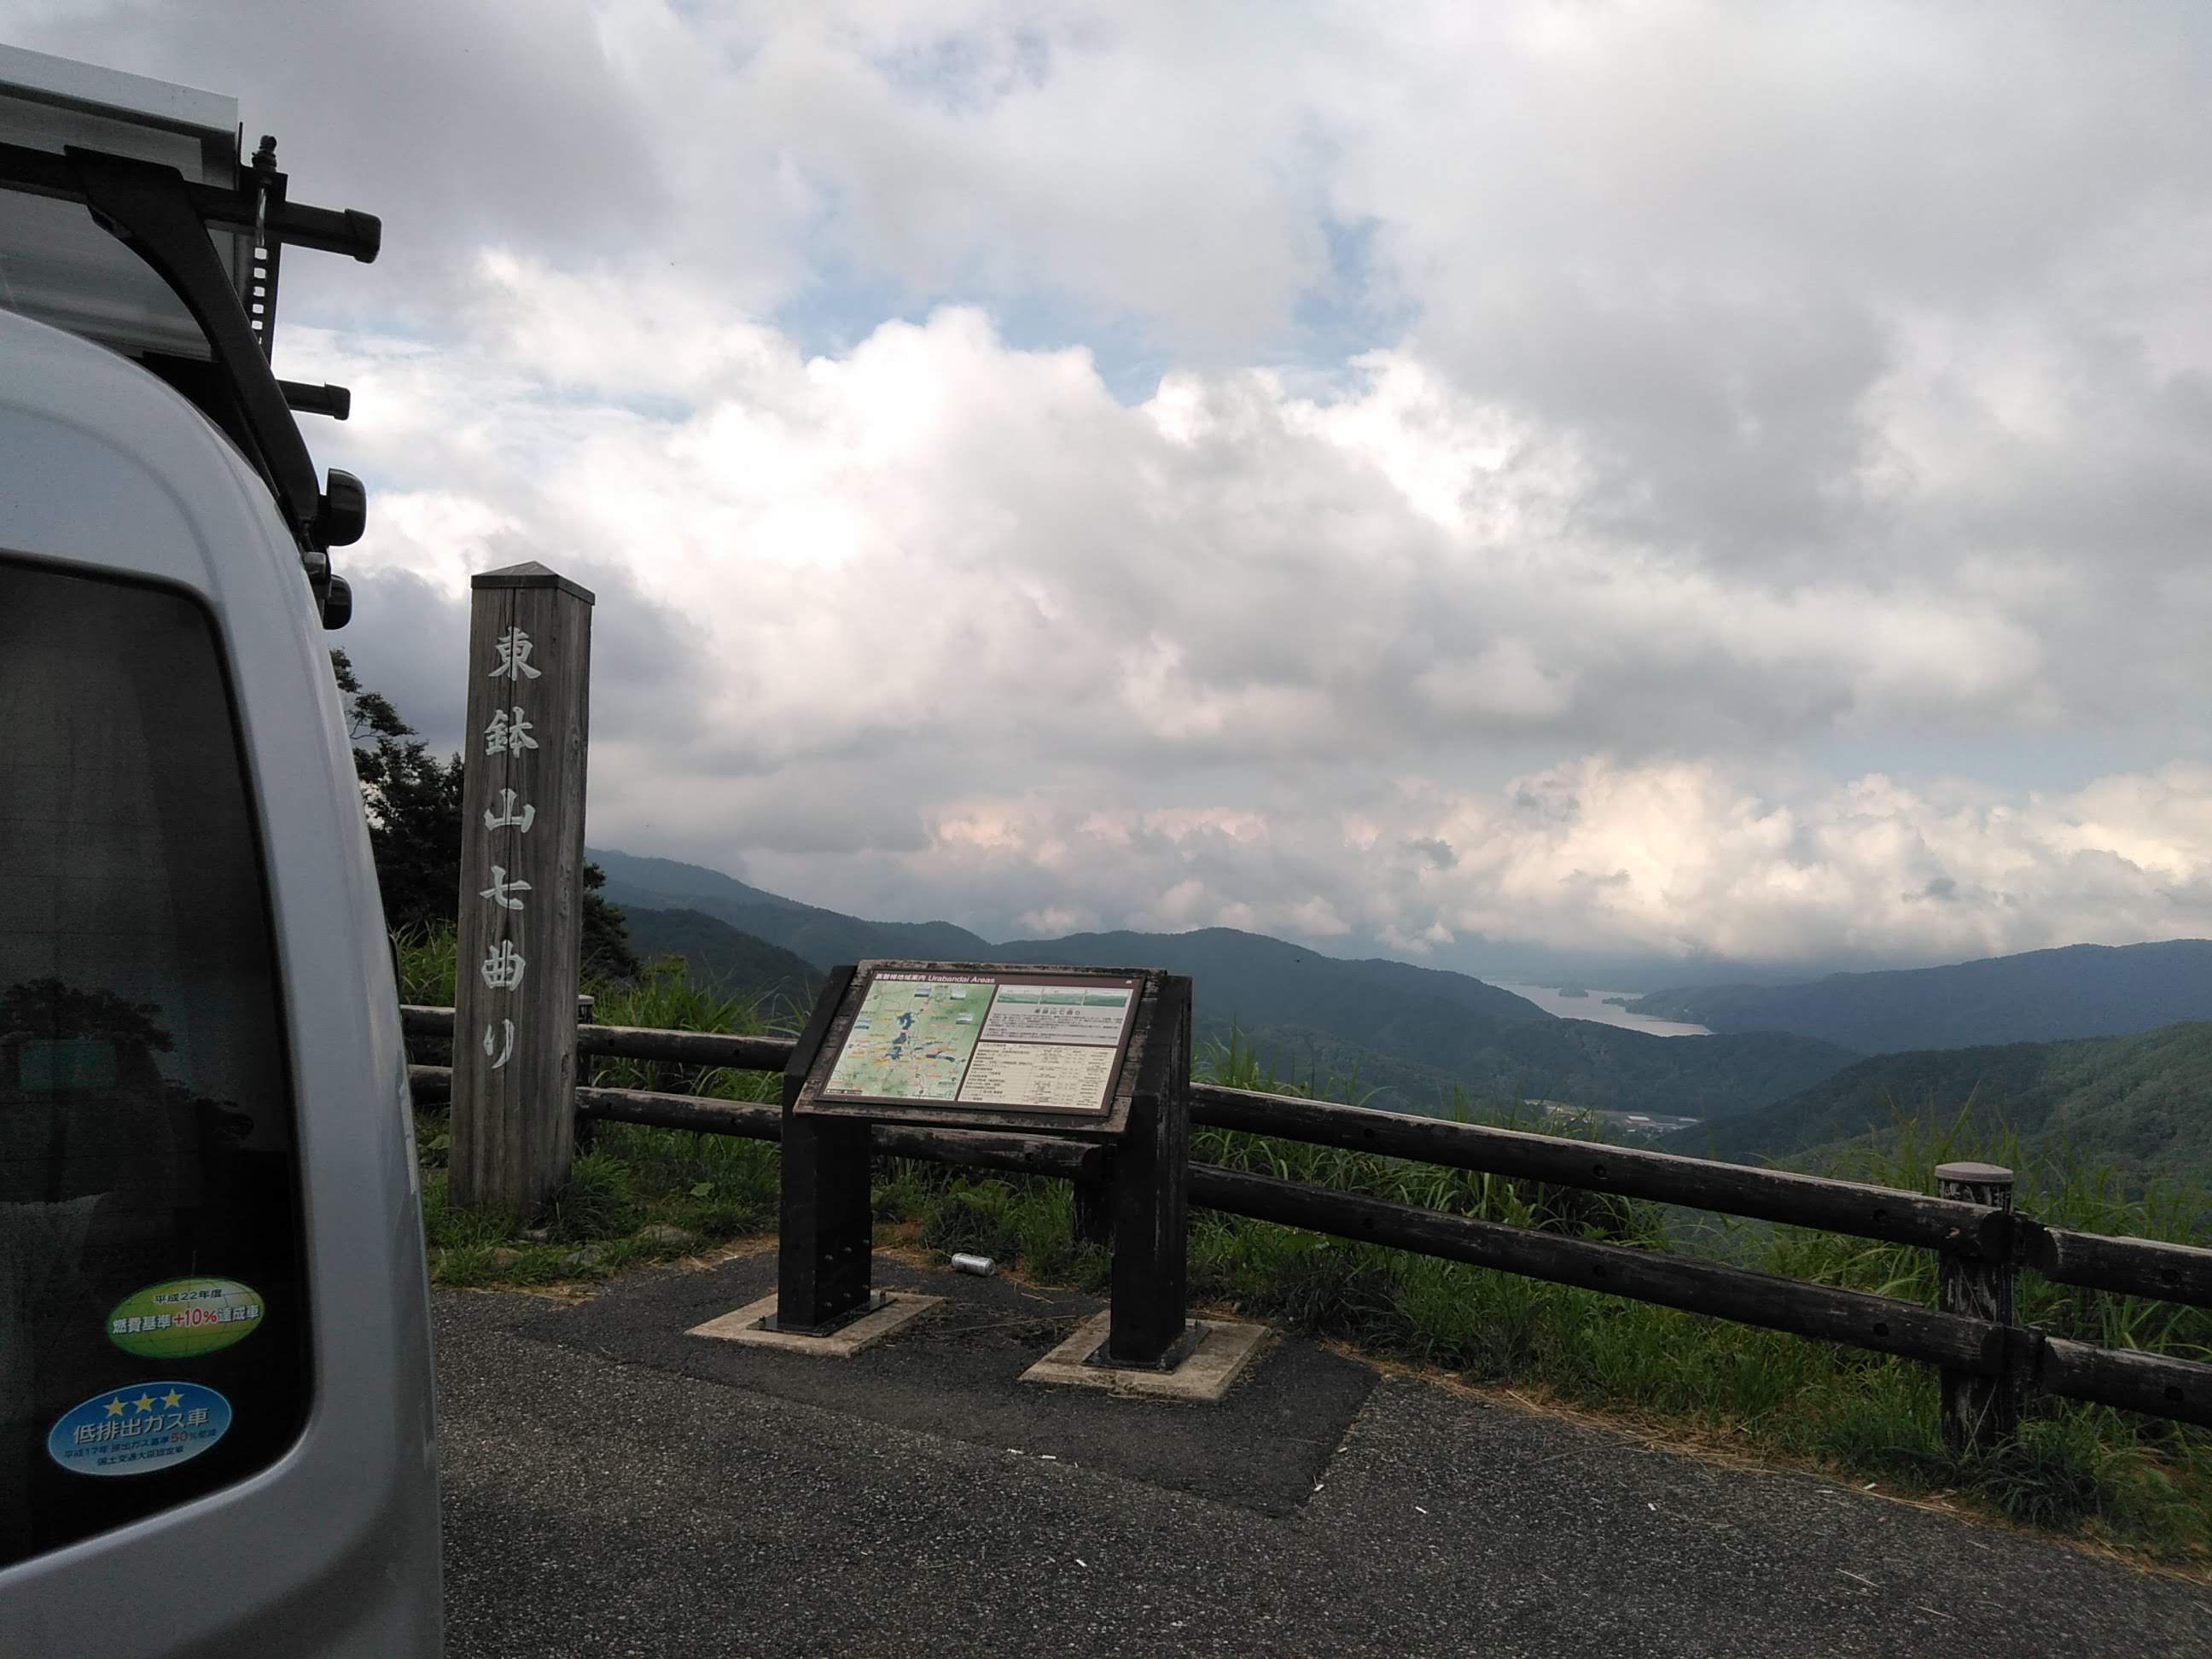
(153, 1326)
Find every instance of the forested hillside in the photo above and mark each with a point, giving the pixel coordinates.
(1611, 1068)
(2039, 996)
(720, 958)
(825, 938)
(1600, 1067)
(670, 879)
(2140, 1102)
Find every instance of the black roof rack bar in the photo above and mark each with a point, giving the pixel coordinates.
(146, 207)
(335, 401)
(294, 224)
(164, 219)
(258, 297)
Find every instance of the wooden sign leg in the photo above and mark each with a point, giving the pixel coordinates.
(823, 1263)
(1151, 1199)
(823, 1269)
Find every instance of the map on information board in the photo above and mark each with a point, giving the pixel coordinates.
(1028, 1043)
(912, 1039)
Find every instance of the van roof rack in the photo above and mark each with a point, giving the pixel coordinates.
(215, 241)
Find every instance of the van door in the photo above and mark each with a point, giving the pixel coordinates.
(154, 1314)
(216, 1407)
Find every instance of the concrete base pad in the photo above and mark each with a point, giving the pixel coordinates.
(745, 1326)
(954, 1377)
(1223, 1352)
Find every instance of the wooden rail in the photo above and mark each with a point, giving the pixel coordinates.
(743, 1054)
(2133, 1381)
(1879, 1322)
(1990, 1237)
(1802, 1200)
(2130, 1267)
(969, 1149)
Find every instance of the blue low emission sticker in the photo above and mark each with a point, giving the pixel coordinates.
(139, 1430)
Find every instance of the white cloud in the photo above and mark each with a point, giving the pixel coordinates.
(1667, 858)
(1649, 477)
(947, 626)
(936, 521)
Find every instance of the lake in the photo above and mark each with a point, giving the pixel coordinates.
(1595, 1008)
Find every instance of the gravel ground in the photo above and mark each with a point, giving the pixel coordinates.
(613, 1488)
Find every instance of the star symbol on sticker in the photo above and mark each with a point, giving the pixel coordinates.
(173, 1399)
(115, 1406)
(144, 1402)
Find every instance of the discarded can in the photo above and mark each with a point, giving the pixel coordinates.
(982, 1265)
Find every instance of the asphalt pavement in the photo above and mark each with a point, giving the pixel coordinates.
(615, 1487)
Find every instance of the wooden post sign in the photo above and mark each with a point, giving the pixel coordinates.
(1089, 1053)
(522, 859)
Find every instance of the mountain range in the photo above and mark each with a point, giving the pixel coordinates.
(1400, 1035)
(2059, 1045)
(2038, 996)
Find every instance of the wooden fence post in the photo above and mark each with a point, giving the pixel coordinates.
(1978, 1412)
(586, 1131)
(522, 859)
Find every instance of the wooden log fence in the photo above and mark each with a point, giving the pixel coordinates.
(1802, 1200)
(1985, 1359)
(1881, 1323)
(970, 1149)
(742, 1053)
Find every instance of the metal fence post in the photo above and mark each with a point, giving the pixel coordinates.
(1979, 1412)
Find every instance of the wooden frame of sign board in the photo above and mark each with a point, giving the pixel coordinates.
(1001, 1054)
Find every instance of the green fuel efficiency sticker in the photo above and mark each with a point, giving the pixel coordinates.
(181, 1317)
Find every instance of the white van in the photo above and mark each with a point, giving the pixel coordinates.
(216, 1386)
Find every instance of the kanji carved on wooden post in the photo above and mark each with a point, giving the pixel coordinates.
(521, 914)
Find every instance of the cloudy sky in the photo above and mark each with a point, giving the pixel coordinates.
(1645, 480)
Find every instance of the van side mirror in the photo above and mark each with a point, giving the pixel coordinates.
(344, 513)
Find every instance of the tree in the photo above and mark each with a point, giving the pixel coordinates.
(607, 954)
(413, 802)
(414, 805)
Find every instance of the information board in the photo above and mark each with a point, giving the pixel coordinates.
(995, 1039)
(1020, 1060)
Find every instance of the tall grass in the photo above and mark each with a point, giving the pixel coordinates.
(424, 959)
(2137, 1483)
(663, 999)
(635, 1194)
